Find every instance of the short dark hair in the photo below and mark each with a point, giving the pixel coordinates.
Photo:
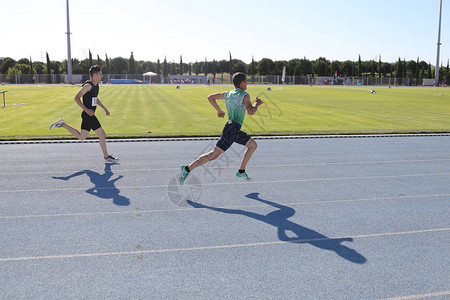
(238, 78)
(95, 69)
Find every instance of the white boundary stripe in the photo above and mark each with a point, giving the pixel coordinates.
(178, 139)
(255, 167)
(99, 254)
(235, 183)
(429, 295)
(226, 207)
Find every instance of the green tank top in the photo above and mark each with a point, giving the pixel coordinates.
(235, 106)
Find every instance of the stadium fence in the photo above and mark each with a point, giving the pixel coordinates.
(218, 79)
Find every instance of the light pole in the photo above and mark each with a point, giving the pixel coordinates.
(69, 57)
(436, 73)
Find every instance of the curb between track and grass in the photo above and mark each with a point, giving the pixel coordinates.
(180, 139)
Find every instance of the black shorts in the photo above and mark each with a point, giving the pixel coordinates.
(89, 123)
(232, 133)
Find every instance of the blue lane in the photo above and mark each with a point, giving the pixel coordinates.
(323, 218)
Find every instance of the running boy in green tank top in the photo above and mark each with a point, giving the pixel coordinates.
(237, 102)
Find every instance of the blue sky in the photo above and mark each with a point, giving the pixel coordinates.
(199, 29)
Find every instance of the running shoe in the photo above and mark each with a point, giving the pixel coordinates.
(184, 174)
(58, 123)
(111, 159)
(243, 175)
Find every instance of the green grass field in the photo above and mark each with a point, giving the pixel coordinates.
(161, 111)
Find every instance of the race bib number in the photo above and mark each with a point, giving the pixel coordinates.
(94, 101)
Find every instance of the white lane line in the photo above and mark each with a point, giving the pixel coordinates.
(213, 247)
(235, 183)
(401, 161)
(225, 207)
(421, 296)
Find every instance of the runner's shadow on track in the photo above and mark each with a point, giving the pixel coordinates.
(104, 187)
(279, 219)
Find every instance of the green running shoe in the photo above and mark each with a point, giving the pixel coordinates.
(243, 175)
(184, 174)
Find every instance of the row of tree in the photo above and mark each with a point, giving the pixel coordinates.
(294, 67)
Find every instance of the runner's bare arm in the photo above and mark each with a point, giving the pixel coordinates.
(212, 99)
(99, 103)
(251, 109)
(80, 95)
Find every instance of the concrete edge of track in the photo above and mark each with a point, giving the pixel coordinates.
(178, 139)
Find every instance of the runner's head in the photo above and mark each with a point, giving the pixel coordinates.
(94, 70)
(238, 78)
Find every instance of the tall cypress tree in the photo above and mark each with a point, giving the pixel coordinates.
(181, 65)
(399, 71)
(158, 67)
(31, 66)
(417, 71)
(253, 72)
(132, 65)
(49, 69)
(230, 65)
(379, 67)
(359, 66)
(108, 70)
